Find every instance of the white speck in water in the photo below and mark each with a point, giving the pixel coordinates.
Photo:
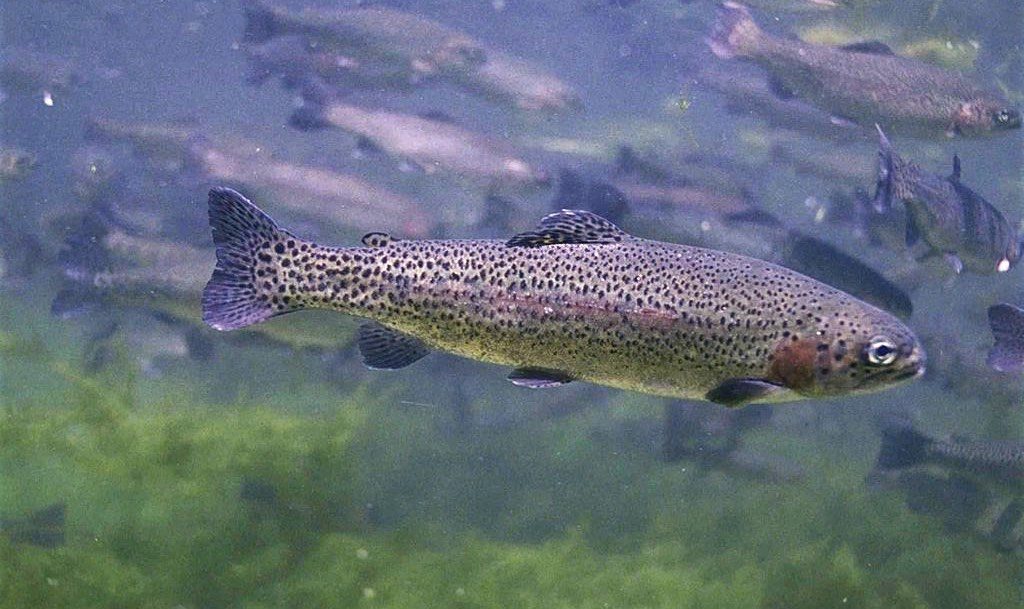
(1003, 266)
(362, 554)
(47, 99)
(498, 5)
(819, 215)
(705, 225)
(369, 593)
(52, 581)
(460, 591)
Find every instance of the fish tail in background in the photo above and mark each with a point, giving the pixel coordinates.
(902, 445)
(887, 160)
(261, 22)
(250, 248)
(83, 258)
(735, 34)
(1007, 324)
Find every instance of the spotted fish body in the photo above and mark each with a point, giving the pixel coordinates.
(577, 299)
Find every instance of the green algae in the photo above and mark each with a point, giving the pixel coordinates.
(367, 504)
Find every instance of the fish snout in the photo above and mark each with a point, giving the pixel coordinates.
(914, 361)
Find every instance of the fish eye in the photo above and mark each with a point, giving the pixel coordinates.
(881, 351)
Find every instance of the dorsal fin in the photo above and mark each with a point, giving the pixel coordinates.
(956, 168)
(570, 226)
(871, 47)
(377, 239)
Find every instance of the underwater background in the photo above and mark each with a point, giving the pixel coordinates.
(199, 469)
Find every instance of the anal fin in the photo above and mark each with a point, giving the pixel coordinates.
(742, 391)
(539, 378)
(386, 349)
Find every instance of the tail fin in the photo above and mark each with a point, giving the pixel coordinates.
(902, 445)
(243, 289)
(1007, 324)
(735, 33)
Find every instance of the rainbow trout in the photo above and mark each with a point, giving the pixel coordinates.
(575, 299)
(865, 82)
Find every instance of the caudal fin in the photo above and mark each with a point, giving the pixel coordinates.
(902, 445)
(735, 33)
(1007, 324)
(244, 288)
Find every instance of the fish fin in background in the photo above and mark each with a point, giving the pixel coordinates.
(753, 215)
(1005, 531)
(308, 117)
(244, 237)
(902, 445)
(81, 258)
(913, 233)
(261, 23)
(1007, 324)
(740, 392)
(570, 226)
(954, 262)
(734, 31)
(871, 47)
(538, 378)
(955, 176)
(883, 185)
(780, 89)
(571, 188)
(386, 349)
(840, 121)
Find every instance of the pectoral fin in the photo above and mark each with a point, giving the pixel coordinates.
(386, 349)
(740, 392)
(539, 378)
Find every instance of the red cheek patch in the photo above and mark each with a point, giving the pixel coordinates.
(793, 363)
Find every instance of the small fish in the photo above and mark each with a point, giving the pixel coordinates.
(429, 144)
(575, 299)
(1007, 324)
(904, 447)
(865, 83)
(948, 217)
(43, 528)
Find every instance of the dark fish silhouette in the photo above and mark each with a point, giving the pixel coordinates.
(43, 528)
